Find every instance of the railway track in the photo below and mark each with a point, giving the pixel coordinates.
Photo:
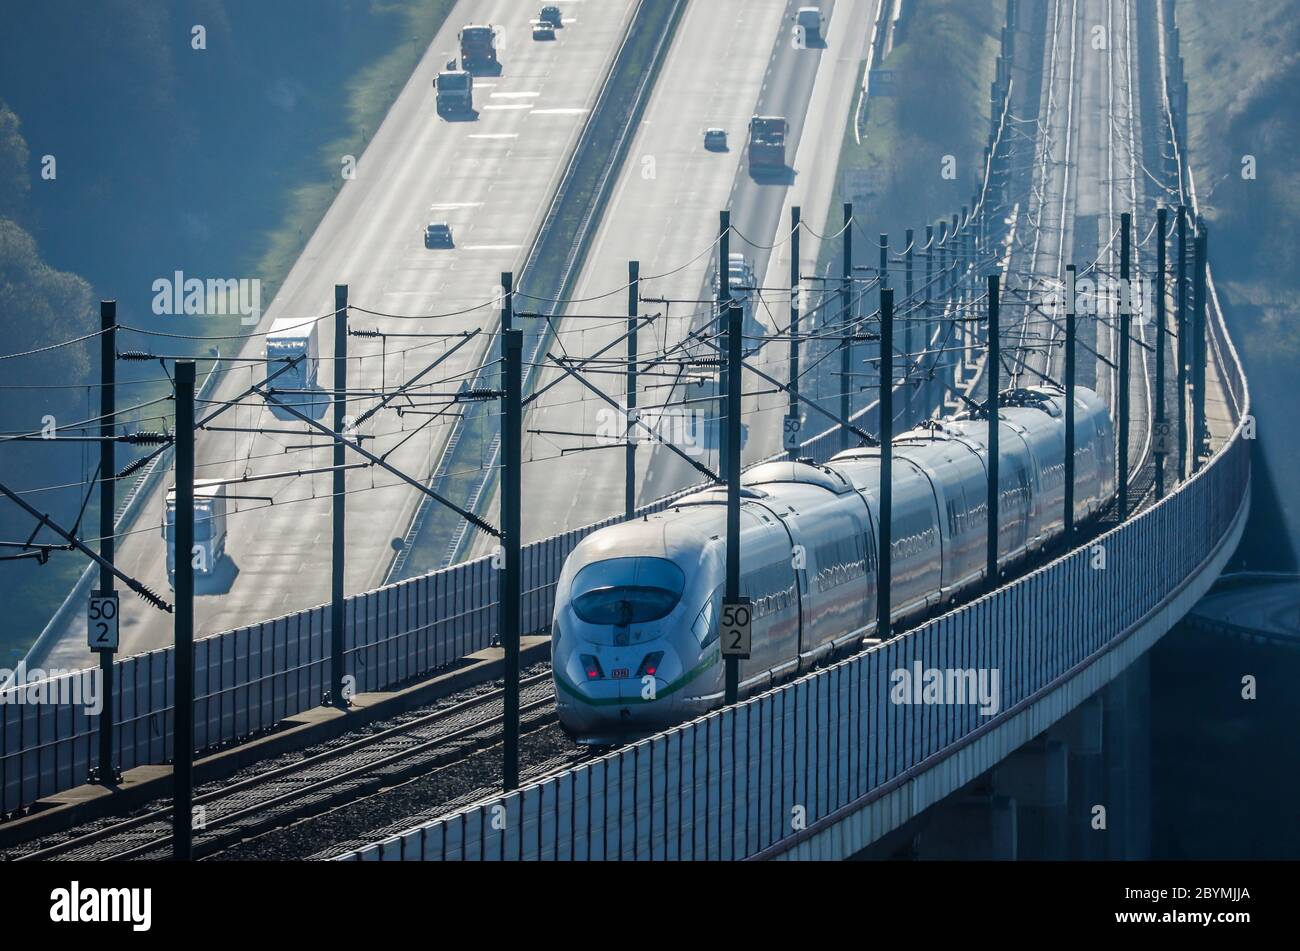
(1057, 180)
(318, 783)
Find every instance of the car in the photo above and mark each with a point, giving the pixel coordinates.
(552, 16)
(715, 140)
(543, 30)
(810, 21)
(437, 235)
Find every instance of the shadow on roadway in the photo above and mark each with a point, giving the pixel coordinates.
(772, 176)
(313, 405)
(220, 581)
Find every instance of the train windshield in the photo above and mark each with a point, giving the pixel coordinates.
(623, 591)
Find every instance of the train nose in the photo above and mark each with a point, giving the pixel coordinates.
(613, 690)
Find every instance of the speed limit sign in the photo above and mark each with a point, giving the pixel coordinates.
(736, 627)
(791, 431)
(1164, 432)
(101, 621)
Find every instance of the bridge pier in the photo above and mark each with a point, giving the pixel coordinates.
(1036, 778)
(1126, 728)
(1080, 790)
(1082, 732)
(979, 824)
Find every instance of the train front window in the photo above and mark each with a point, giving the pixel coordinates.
(623, 591)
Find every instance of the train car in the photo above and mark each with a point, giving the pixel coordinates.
(634, 640)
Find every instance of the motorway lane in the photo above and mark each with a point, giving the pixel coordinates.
(699, 87)
(813, 89)
(816, 166)
(492, 180)
(673, 184)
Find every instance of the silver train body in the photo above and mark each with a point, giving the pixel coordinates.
(635, 641)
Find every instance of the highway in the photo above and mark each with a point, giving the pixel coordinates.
(492, 180)
(667, 219)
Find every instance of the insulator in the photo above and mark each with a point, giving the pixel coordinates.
(146, 594)
(149, 438)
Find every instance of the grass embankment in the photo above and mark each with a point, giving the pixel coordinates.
(1242, 74)
(942, 63)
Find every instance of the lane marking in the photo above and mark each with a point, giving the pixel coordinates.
(451, 205)
(510, 105)
(493, 135)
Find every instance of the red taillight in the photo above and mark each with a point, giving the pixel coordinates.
(650, 666)
(592, 666)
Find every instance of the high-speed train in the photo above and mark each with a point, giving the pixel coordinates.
(635, 643)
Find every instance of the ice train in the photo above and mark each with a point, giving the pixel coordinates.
(635, 643)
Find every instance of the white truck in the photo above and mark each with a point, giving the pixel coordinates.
(209, 528)
(293, 337)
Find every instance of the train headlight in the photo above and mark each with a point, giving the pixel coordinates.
(650, 665)
(592, 666)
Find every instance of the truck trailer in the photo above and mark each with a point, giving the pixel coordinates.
(292, 337)
(209, 528)
(767, 143)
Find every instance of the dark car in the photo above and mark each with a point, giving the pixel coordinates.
(437, 235)
(552, 16)
(543, 30)
(715, 140)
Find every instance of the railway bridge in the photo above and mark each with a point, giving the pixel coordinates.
(843, 758)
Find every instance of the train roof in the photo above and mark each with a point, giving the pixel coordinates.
(769, 473)
(661, 535)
